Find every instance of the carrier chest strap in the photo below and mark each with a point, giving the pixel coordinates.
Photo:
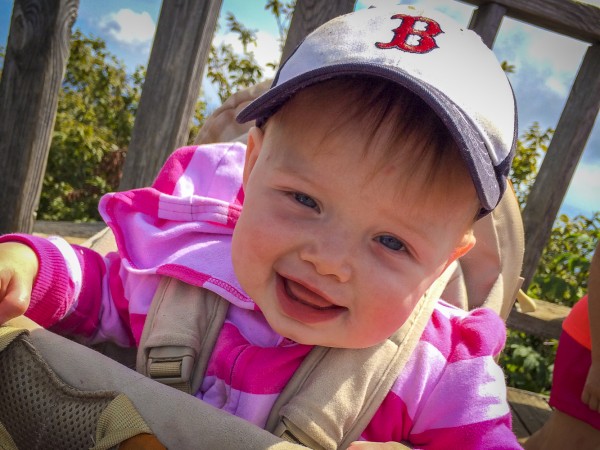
(329, 400)
(179, 334)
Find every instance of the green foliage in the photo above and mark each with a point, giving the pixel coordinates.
(95, 115)
(528, 361)
(282, 11)
(531, 147)
(508, 68)
(229, 70)
(563, 270)
(96, 111)
(562, 275)
(197, 120)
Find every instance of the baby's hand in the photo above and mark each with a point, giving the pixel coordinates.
(364, 445)
(18, 269)
(591, 390)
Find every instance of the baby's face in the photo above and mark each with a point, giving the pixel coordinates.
(331, 253)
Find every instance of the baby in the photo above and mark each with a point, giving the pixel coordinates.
(384, 137)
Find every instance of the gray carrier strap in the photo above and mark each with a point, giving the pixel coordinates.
(335, 393)
(180, 332)
(178, 420)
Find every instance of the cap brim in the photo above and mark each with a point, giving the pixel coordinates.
(472, 147)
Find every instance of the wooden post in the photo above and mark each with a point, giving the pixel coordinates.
(486, 21)
(179, 52)
(564, 152)
(570, 17)
(37, 52)
(308, 15)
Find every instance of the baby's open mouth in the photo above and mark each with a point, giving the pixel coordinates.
(307, 296)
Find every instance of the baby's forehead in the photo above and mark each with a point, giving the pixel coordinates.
(380, 150)
(369, 104)
(389, 121)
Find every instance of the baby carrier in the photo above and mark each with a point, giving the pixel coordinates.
(59, 394)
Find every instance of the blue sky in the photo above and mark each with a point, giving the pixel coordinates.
(545, 62)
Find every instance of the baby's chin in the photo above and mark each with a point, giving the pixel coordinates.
(314, 339)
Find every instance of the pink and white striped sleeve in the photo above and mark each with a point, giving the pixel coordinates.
(70, 292)
(451, 394)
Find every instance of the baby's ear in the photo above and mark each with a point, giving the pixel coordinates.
(253, 148)
(467, 242)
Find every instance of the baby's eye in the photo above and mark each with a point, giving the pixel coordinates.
(391, 242)
(305, 200)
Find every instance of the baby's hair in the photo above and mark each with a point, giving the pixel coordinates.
(401, 123)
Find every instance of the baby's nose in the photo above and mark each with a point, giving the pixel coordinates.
(330, 256)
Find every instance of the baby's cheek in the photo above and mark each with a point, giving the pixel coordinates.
(239, 250)
(248, 251)
(391, 314)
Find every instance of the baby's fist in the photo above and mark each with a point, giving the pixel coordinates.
(18, 269)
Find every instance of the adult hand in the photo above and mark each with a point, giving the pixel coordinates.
(18, 269)
(591, 390)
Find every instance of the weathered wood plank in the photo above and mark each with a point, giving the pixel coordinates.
(546, 321)
(486, 21)
(308, 15)
(518, 426)
(531, 409)
(560, 162)
(37, 52)
(64, 228)
(568, 17)
(179, 52)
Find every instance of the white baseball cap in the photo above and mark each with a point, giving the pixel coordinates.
(428, 53)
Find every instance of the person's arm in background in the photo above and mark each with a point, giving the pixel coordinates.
(591, 390)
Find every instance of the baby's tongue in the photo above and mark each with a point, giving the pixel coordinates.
(305, 295)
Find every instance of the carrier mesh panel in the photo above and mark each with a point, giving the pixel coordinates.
(38, 409)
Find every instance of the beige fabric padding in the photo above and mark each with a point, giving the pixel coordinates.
(180, 333)
(117, 423)
(489, 275)
(179, 420)
(6, 442)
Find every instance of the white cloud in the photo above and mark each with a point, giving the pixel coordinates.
(562, 53)
(128, 27)
(266, 50)
(584, 188)
(552, 57)
(557, 85)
